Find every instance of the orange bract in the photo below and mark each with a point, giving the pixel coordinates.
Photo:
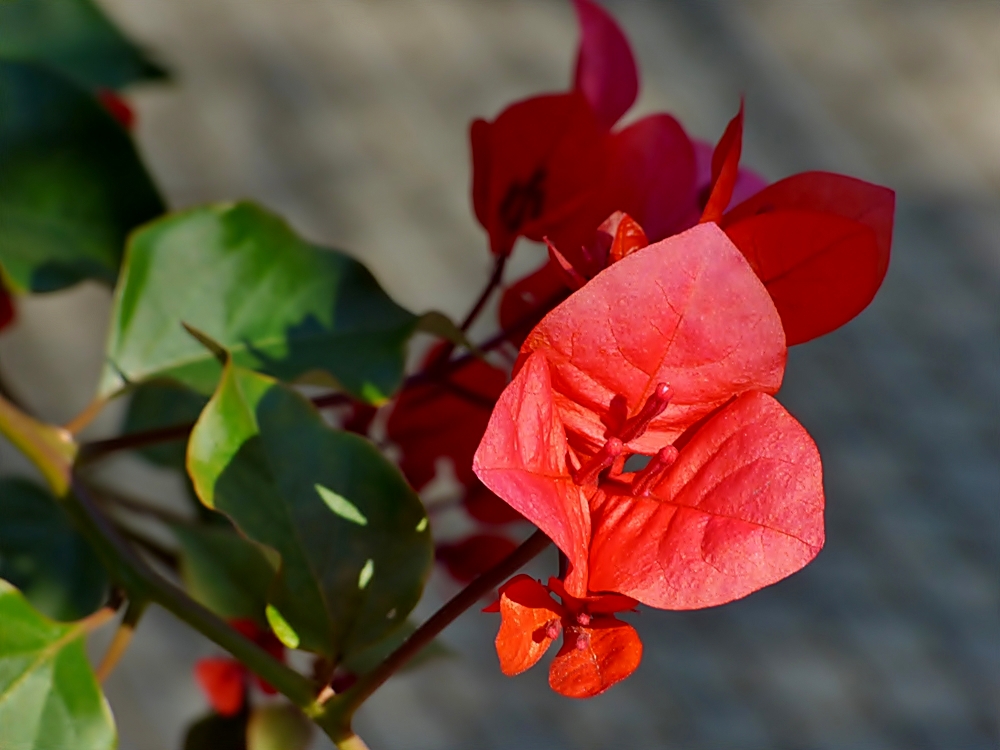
(598, 649)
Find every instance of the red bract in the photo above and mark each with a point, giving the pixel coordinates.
(668, 353)
(819, 241)
(467, 559)
(117, 107)
(549, 166)
(6, 308)
(539, 169)
(444, 418)
(224, 680)
(598, 649)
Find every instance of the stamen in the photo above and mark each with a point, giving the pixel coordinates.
(583, 618)
(646, 478)
(653, 408)
(601, 461)
(582, 641)
(553, 629)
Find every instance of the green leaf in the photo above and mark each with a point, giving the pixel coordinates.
(214, 732)
(75, 37)
(279, 304)
(225, 572)
(259, 453)
(278, 727)
(48, 695)
(158, 404)
(71, 183)
(43, 555)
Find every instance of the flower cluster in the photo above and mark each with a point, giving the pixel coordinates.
(640, 432)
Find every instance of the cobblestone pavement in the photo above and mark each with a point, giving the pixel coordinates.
(349, 116)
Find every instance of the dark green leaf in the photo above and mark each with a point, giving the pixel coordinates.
(74, 37)
(159, 404)
(352, 535)
(48, 695)
(281, 305)
(44, 556)
(71, 183)
(214, 732)
(224, 571)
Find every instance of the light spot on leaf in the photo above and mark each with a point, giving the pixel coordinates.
(371, 393)
(285, 633)
(422, 524)
(366, 573)
(341, 506)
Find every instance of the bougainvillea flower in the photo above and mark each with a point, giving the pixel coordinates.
(819, 241)
(6, 308)
(598, 649)
(485, 507)
(551, 166)
(467, 559)
(529, 299)
(538, 169)
(605, 71)
(444, 418)
(117, 107)
(669, 353)
(225, 680)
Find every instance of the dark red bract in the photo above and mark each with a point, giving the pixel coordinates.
(551, 166)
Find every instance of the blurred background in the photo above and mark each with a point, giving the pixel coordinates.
(349, 117)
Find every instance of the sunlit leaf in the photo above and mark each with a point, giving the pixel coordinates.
(49, 697)
(44, 556)
(280, 304)
(71, 183)
(262, 455)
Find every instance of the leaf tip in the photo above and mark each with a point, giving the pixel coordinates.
(217, 349)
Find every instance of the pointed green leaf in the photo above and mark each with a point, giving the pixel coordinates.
(279, 304)
(225, 572)
(74, 37)
(43, 555)
(48, 695)
(71, 183)
(258, 454)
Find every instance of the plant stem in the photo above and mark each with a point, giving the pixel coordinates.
(352, 742)
(50, 448)
(121, 640)
(143, 584)
(342, 707)
(121, 500)
(495, 278)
